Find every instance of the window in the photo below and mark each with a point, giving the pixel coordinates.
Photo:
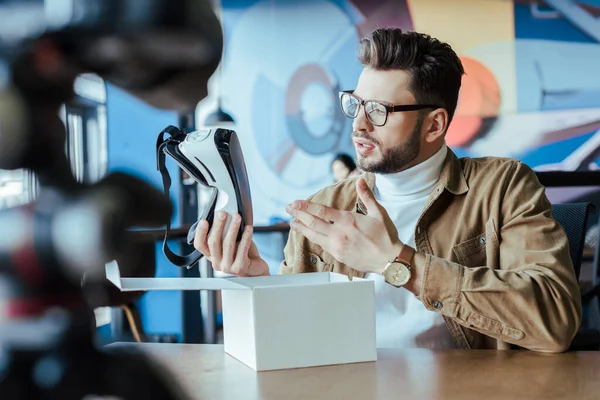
(85, 121)
(16, 188)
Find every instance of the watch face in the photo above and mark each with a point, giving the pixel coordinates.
(397, 274)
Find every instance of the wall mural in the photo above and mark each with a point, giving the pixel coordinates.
(531, 89)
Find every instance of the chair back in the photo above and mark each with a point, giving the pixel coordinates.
(573, 217)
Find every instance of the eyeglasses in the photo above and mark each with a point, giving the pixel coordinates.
(376, 111)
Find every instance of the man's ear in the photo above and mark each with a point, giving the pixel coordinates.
(437, 126)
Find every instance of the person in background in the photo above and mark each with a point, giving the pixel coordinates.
(464, 252)
(342, 167)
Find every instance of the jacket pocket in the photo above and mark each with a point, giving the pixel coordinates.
(312, 262)
(471, 252)
(480, 250)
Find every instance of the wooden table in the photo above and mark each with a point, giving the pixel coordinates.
(206, 372)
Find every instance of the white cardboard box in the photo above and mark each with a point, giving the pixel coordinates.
(285, 321)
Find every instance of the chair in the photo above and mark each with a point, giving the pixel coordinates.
(573, 217)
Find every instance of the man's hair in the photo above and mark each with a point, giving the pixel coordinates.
(434, 68)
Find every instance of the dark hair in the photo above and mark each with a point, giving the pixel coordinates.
(346, 160)
(434, 68)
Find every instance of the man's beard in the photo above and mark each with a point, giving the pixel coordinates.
(397, 158)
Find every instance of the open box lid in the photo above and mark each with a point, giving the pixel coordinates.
(137, 284)
(234, 283)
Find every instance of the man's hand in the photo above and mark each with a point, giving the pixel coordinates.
(364, 242)
(241, 259)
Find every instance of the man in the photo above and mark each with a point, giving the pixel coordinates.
(464, 252)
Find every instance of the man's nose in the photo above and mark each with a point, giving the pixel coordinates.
(361, 123)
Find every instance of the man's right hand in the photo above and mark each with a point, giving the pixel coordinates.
(225, 254)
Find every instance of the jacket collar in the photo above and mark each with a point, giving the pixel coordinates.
(452, 179)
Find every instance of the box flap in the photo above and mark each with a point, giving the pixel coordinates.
(229, 283)
(313, 278)
(142, 284)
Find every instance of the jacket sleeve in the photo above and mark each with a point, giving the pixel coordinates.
(287, 265)
(533, 299)
(297, 257)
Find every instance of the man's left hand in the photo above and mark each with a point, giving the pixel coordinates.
(363, 242)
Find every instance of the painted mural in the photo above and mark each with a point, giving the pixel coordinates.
(531, 89)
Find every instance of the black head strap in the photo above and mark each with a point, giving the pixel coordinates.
(189, 260)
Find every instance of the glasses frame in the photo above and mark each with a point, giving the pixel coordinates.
(390, 108)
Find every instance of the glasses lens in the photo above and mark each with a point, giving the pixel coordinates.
(350, 105)
(376, 111)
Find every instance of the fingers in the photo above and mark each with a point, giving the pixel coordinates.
(226, 255)
(242, 262)
(200, 239)
(320, 211)
(230, 241)
(368, 198)
(313, 223)
(310, 234)
(215, 240)
(314, 216)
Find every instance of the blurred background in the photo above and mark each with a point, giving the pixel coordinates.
(531, 91)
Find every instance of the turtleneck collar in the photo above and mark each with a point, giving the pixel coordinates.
(415, 182)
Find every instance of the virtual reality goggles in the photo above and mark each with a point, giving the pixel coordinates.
(213, 158)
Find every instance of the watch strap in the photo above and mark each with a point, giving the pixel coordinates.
(406, 255)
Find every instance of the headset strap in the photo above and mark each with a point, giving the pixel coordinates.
(189, 260)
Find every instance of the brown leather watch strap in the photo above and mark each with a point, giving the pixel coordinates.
(406, 255)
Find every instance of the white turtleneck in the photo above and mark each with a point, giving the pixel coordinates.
(401, 319)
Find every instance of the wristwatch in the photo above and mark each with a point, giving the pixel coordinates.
(398, 271)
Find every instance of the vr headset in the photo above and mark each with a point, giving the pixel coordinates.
(213, 158)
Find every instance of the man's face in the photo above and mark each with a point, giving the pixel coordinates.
(394, 146)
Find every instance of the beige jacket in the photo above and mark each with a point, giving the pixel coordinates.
(494, 262)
